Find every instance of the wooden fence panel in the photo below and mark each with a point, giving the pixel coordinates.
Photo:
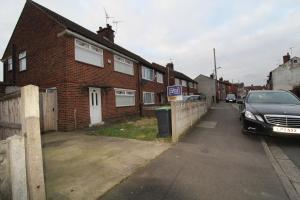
(48, 111)
(10, 123)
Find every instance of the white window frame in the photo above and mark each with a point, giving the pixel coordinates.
(22, 57)
(144, 72)
(184, 83)
(159, 77)
(9, 64)
(125, 93)
(90, 48)
(126, 62)
(177, 81)
(152, 98)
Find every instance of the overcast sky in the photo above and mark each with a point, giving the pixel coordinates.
(250, 37)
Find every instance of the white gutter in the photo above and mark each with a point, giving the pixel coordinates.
(69, 32)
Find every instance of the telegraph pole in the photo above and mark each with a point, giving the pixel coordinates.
(215, 64)
(216, 77)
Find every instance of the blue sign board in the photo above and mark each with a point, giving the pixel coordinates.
(174, 90)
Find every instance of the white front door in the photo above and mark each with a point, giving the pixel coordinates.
(95, 105)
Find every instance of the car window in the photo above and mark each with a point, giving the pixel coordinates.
(230, 96)
(272, 98)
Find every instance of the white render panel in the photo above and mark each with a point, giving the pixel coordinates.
(286, 77)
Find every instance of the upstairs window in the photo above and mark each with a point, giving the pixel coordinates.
(9, 64)
(124, 97)
(159, 77)
(87, 53)
(123, 65)
(147, 73)
(183, 83)
(191, 85)
(22, 61)
(177, 81)
(148, 98)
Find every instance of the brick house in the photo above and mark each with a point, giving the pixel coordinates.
(95, 78)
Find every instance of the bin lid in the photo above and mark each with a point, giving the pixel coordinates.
(164, 108)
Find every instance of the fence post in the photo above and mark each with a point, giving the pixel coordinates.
(17, 167)
(5, 184)
(30, 120)
(173, 119)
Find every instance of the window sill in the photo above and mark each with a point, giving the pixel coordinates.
(81, 62)
(123, 73)
(147, 79)
(149, 104)
(125, 106)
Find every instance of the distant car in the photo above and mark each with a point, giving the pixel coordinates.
(231, 98)
(200, 97)
(271, 112)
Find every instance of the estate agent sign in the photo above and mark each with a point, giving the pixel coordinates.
(174, 93)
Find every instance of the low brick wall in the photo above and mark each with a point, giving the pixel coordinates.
(185, 115)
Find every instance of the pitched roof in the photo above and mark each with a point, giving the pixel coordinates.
(159, 67)
(183, 76)
(68, 24)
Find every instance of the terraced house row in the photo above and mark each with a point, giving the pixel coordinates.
(94, 78)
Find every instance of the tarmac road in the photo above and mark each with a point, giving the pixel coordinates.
(213, 161)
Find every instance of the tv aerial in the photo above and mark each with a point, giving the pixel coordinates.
(107, 17)
(116, 22)
(291, 50)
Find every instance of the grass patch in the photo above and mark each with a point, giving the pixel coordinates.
(141, 129)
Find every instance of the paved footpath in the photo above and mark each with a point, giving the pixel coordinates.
(213, 161)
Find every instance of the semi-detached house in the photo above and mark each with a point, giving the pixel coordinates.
(95, 79)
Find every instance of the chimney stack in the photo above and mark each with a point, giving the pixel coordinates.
(106, 33)
(286, 58)
(170, 66)
(170, 74)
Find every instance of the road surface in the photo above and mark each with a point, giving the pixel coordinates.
(213, 161)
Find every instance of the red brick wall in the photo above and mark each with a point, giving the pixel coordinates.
(80, 75)
(51, 63)
(157, 88)
(36, 33)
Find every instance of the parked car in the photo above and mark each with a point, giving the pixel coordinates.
(200, 97)
(272, 112)
(231, 98)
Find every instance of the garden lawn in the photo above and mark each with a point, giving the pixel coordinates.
(141, 129)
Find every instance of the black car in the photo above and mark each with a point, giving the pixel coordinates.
(270, 113)
(230, 98)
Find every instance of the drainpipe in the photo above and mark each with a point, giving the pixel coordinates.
(140, 92)
(14, 62)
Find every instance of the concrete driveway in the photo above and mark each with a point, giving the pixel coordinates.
(80, 166)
